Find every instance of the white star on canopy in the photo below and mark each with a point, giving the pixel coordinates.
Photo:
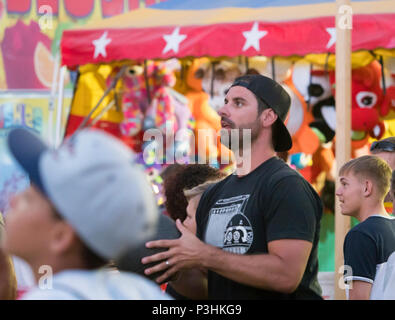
(173, 40)
(100, 45)
(332, 40)
(253, 37)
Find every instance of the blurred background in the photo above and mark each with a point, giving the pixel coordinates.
(127, 66)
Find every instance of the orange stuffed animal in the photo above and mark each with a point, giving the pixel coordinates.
(206, 118)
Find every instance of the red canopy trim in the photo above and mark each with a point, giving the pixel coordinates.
(253, 38)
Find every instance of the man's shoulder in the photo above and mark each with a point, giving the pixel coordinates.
(276, 170)
(284, 171)
(286, 176)
(363, 230)
(375, 225)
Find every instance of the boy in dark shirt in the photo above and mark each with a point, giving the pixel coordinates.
(364, 183)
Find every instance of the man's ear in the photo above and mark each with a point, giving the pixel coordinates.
(62, 237)
(268, 117)
(368, 188)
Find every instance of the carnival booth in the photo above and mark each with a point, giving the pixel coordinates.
(167, 68)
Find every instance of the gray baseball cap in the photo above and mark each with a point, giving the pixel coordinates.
(95, 185)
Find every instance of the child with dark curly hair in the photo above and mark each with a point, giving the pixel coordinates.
(184, 186)
(185, 177)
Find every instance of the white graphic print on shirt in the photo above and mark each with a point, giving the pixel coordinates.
(228, 227)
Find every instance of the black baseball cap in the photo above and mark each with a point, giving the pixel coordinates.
(275, 97)
(387, 145)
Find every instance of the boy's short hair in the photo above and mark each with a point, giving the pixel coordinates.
(371, 167)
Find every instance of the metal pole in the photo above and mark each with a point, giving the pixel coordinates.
(51, 106)
(59, 109)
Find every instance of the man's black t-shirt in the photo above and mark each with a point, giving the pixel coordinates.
(243, 214)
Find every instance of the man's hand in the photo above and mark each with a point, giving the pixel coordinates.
(183, 253)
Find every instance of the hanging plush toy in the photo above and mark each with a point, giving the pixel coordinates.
(91, 87)
(304, 138)
(217, 77)
(161, 110)
(152, 108)
(146, 102)
(388, 87)
(135, 101)
(388, 109)
(366, 101)
(314, 86)
(150, 103)
(207, 121)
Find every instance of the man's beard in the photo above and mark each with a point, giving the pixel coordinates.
(241, 138)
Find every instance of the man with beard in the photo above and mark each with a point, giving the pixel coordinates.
(258, 229)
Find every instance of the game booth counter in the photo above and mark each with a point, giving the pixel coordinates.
(167, 67)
